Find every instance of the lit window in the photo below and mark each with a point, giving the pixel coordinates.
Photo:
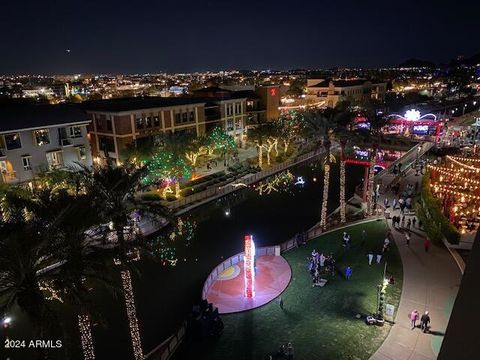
(26, 163)
(75, 131)
(156, 121)
(41, 137)
(12, 141)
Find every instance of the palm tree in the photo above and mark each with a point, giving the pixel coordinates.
(342, 131)
(374, 137)
(44, 257)
(112, 190)
(320, 125)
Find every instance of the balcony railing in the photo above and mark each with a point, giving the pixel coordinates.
(66, 142)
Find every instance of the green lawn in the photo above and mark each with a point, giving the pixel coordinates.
(320, 322)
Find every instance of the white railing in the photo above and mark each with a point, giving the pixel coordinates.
(232, 260)
(215, 191)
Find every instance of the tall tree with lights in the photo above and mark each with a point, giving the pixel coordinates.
(289, 127)
(342, 119)
(169, 164)
(218, 140)
(373, 135)
(195, 146)
(112, 190)
(265, 137)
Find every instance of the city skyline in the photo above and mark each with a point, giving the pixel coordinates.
(190, 36)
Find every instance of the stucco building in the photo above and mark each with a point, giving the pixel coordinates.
(36, 138)
(333, 91)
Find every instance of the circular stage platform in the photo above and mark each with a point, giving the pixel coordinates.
(272, 276)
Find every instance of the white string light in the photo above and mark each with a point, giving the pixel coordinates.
(84, 325)
(343, 217)
(462, 164)
(132, 314)
(53, 293)
(453, 173)
(326, 180)
(371, 180)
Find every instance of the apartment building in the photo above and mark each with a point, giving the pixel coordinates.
(36, 138)
(262, 102)
(333, 91)
(117, 123)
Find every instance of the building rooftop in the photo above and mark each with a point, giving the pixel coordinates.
(343, 83)
(137, 103)
(30, 116)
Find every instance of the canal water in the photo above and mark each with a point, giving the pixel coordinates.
(165, 294)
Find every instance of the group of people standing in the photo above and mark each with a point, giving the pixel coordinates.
(319, 264)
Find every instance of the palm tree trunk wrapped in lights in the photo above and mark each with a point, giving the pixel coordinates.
(260, 155)
(371, 182)
(343, 203)
(132, 314)
(84, 325)
(326, 180)
(329, 159)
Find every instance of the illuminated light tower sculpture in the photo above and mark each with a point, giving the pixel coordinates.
(249, 265)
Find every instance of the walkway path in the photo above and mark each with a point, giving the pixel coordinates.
(430, 282)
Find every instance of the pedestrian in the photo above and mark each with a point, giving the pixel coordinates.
(379, 258)
(420, 224)
(413, 318)
(322, 260)
(290, 351)
(370, 257)
(386, 243)
(385, 203)
(424, 321)
(414, 221)
(348, 272)
(403, 221)
(394, 204)
(407, 238)
(364, 236)
(426, 244)
(409, 223)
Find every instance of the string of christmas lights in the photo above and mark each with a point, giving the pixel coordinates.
(371, 182)
(459, 163)
(326, 180)
(465, 159)
(453, 173)
(84, 325)
(53, 294)
(132, 314)
(447, 190)
(343, 217)
(277, 183)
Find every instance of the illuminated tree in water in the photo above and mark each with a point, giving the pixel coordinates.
(164, 247)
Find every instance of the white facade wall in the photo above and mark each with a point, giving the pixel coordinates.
(68, 152)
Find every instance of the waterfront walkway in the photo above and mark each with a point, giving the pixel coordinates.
(430, 282)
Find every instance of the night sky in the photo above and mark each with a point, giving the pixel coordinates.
(139, 36)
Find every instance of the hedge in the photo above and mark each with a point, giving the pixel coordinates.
(434, 216)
